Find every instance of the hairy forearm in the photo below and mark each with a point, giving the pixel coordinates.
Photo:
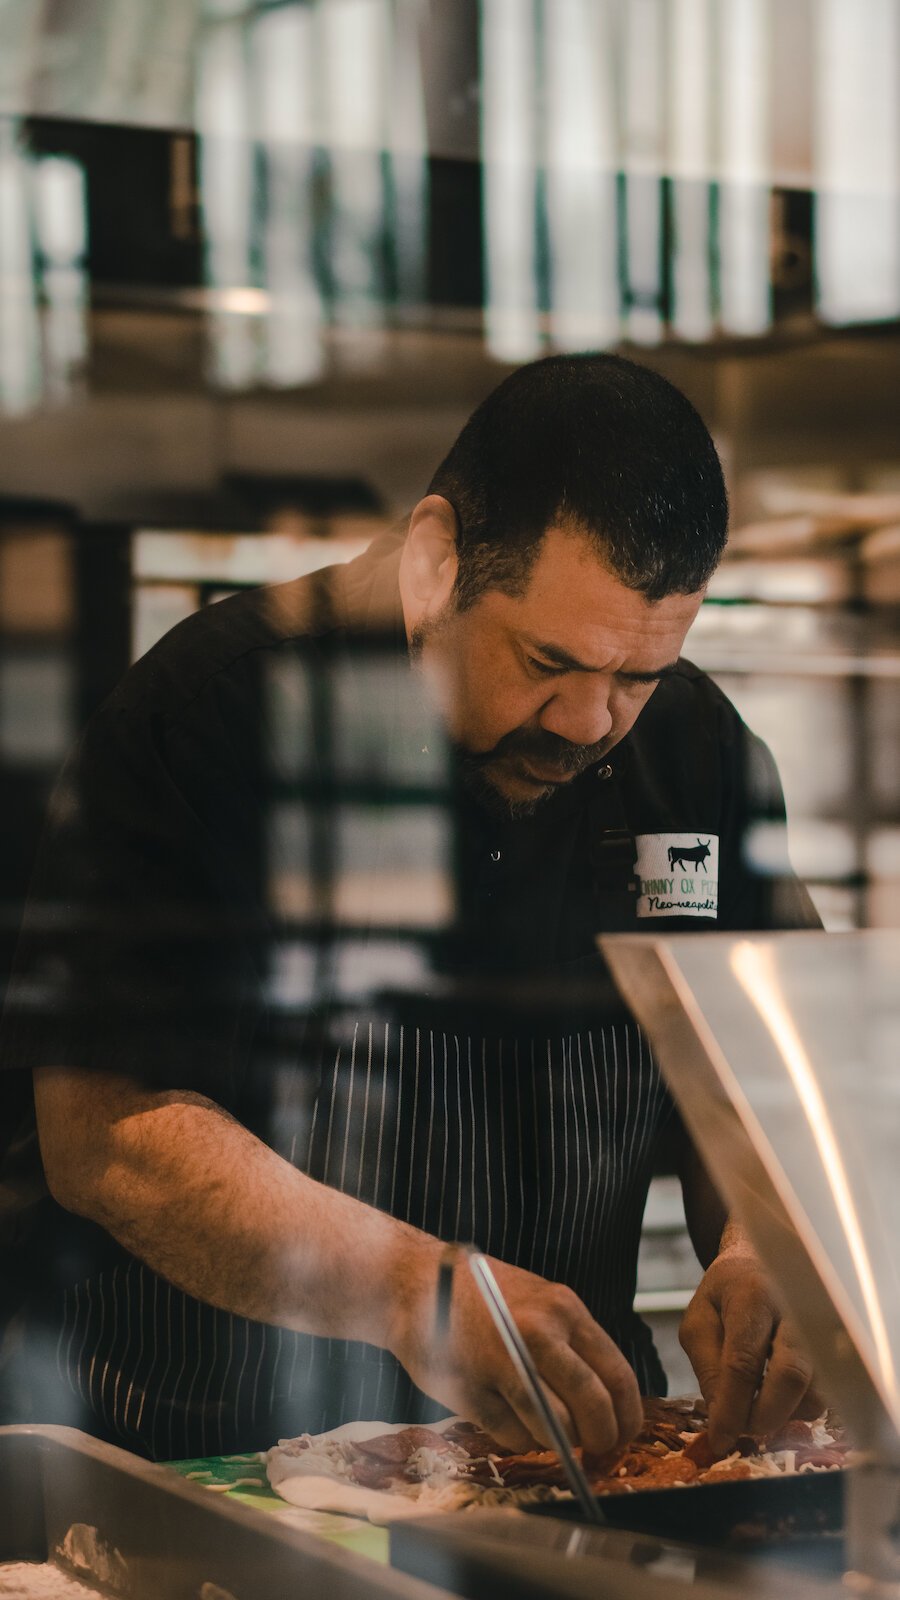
(201, 1201)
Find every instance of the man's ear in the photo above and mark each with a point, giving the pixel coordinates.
(430, 555)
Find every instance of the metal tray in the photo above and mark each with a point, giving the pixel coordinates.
(498, 1555)
(132, 1529)
(746, 1510)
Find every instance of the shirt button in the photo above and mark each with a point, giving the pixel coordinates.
(495, 855)
(605, 772)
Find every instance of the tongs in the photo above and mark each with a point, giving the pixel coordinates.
(521, 1358)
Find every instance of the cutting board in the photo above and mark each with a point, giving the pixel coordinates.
(243, 1478)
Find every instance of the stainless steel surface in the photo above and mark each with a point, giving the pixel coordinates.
(494, 1555)
(521, 1359)
(129, 1527)
(783, 1053)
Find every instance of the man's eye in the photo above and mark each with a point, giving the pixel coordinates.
(544, 668)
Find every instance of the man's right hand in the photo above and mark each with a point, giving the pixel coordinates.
(590, 1384)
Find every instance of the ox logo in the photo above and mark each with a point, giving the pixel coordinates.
(678, 874)
(694, 855)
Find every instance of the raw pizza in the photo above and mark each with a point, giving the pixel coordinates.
(369, 1469)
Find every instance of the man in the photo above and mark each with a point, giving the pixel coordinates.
(247, 1223)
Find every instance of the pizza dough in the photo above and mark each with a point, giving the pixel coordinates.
(384, 1472)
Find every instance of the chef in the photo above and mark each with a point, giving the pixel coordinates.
(252, 1145)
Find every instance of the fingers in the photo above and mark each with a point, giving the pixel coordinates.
(701, 1336)
(501, 1420)
(811, 1406)
(582, 1403)
(752, 1372)
(587, 1381)
(786, 1381)
(748, 1332)
(616, 1379)
(530, 1419)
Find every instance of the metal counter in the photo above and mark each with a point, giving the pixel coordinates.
(129, 1528)
(491, 1555)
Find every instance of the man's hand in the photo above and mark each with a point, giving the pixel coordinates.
(591, 1386)
(752, 1371)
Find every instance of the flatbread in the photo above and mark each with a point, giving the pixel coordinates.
(385, 1471)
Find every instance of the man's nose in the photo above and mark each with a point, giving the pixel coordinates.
(579, 712)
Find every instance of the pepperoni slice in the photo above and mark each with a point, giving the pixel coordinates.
(700, 1451)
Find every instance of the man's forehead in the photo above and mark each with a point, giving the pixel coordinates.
(583, 622)
(571, 568)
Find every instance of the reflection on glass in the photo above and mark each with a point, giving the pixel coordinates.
(355, 41)
(36, 581)
(37, 720)
(857, 153)
(744, 289)
(392, 866)
(643, 163)
(20, 368)
(288, 699)
(282, 55)
(293, 889)
(408, 146)
(580, 174)
(156, 608)
(508, 148)
(754, 968)
(372, 696)
(251, 558)
(60, 212)
(313, 178)
(226, 186)
(690, 159)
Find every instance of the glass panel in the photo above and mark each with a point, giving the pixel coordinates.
(409, 883)
(36, 582)
(289, 854)
(288, 718)
(36, 712)
(782, 1053)
(373, 698)
(157, 608)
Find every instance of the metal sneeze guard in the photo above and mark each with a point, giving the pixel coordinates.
(783, 1054)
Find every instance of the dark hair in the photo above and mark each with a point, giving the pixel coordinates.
(598, 443)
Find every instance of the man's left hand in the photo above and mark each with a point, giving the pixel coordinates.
(752, 1370)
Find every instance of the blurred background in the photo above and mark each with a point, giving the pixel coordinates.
(258, 262)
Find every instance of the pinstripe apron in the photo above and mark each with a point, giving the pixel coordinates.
(539, 1150)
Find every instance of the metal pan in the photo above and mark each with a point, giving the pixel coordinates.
(745, 1510)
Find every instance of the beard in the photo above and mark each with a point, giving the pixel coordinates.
(548, 751)
(479, 769)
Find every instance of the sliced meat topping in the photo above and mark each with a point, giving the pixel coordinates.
(396, 1448)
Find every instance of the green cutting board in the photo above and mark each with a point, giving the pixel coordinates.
(244, 1478)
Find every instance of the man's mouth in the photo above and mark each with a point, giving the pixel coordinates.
(533, 772)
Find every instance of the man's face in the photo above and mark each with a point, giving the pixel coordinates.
(536, 688)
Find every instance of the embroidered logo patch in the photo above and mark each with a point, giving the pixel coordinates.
(678, 874)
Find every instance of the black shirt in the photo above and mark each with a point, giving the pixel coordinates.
(241, 849)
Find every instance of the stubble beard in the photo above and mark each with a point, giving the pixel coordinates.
(538, 744)
(546, 749)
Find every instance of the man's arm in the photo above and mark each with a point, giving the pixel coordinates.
(185, 1188)
(752, 1371)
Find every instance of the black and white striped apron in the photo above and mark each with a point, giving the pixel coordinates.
(539, 1149)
